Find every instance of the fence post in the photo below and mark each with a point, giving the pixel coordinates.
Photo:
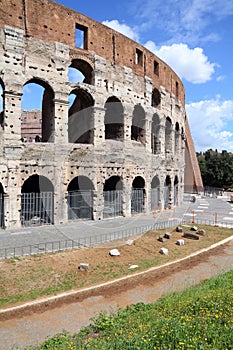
(216, 219)
(193, 221)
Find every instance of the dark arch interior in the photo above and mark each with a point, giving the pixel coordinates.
(138, 124)
(155, 182)
(113, 183)
(138, 182)
(85, 68)
(80, 183)
(114, 120)
(37, 184)
(167, 181)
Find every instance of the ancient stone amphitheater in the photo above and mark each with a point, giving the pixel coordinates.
(112, 141)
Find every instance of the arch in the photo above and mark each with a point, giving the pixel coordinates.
(138, 195)
(167, 192)
(155, 193)
(81, 66)
(138, 125)
(2, 221)
(176, 190)
(168, 135)
(37, 201)
(80, 198)
(114, 119)
(80, 117)
(177, 137)
(155, 98)
(38, 112)
(2, 103)
(112, 192)
(155, 131)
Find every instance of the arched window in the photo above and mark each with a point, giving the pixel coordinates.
(113, 190)
(155, 131)
(138, 195)
(155, 193)
(37, 118)
(114, 119)
(176, 190)
(2, 224)
(138, 125)
(80, 122)
(81, 71)
(155, 98)
(80, 198)
(168, 135)
(2, 107)
(177, 137)
(167, 191)
(37, 201)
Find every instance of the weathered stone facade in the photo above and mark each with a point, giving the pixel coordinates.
(119, 149)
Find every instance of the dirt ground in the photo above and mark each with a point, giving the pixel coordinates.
(35, 322)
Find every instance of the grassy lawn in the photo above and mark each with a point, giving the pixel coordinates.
(199, 318)
(27, 278)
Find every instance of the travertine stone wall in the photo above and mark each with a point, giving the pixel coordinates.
(38, 45)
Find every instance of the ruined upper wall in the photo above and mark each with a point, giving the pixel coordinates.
(49, 21)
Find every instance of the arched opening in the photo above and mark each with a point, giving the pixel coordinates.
(80, 122)
(2, 104)
(81, 71)
(168, 135)
(113, 190)
(114, 119)
(155, 98)
(37, 201)
(167, 191)
(80, 198)
(138, 195)
(177, 137)
(155, 131)
(138, 125)
(2, 223)
(176, 190)
(155, 193)
(37, 116)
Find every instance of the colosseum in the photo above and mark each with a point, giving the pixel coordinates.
(113, 140)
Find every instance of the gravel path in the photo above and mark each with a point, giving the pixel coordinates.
(34, 323)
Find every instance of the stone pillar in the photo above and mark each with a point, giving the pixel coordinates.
(128, 115)
(98, 203)
(98, 123)
(61, 107)
(162, 136)
(12, 198)
(127, 198)
(12, 117)
(148, 133)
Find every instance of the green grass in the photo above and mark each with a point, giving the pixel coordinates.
(199, 318)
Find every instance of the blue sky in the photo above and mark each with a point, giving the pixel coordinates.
(195, 37)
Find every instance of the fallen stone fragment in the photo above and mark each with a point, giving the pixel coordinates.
(161, 239)
(191, 235)
(179, 229)
(201, 232)
(163, 251)
(130, 242)
(194, 228)
(114, 252)
(167, 235)
(83, 266)
(180, 242)
(133, 267)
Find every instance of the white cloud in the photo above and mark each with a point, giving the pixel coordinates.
(123, 29)
(190, 64)
(211, 124)
(183, 21)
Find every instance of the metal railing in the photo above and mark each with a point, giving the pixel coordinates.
(87, 241)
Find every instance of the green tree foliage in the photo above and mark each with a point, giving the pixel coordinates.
(216, 168)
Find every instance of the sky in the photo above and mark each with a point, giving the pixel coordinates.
(195, 37)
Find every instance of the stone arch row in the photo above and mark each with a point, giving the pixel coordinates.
(37, 198)
(81, 123)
